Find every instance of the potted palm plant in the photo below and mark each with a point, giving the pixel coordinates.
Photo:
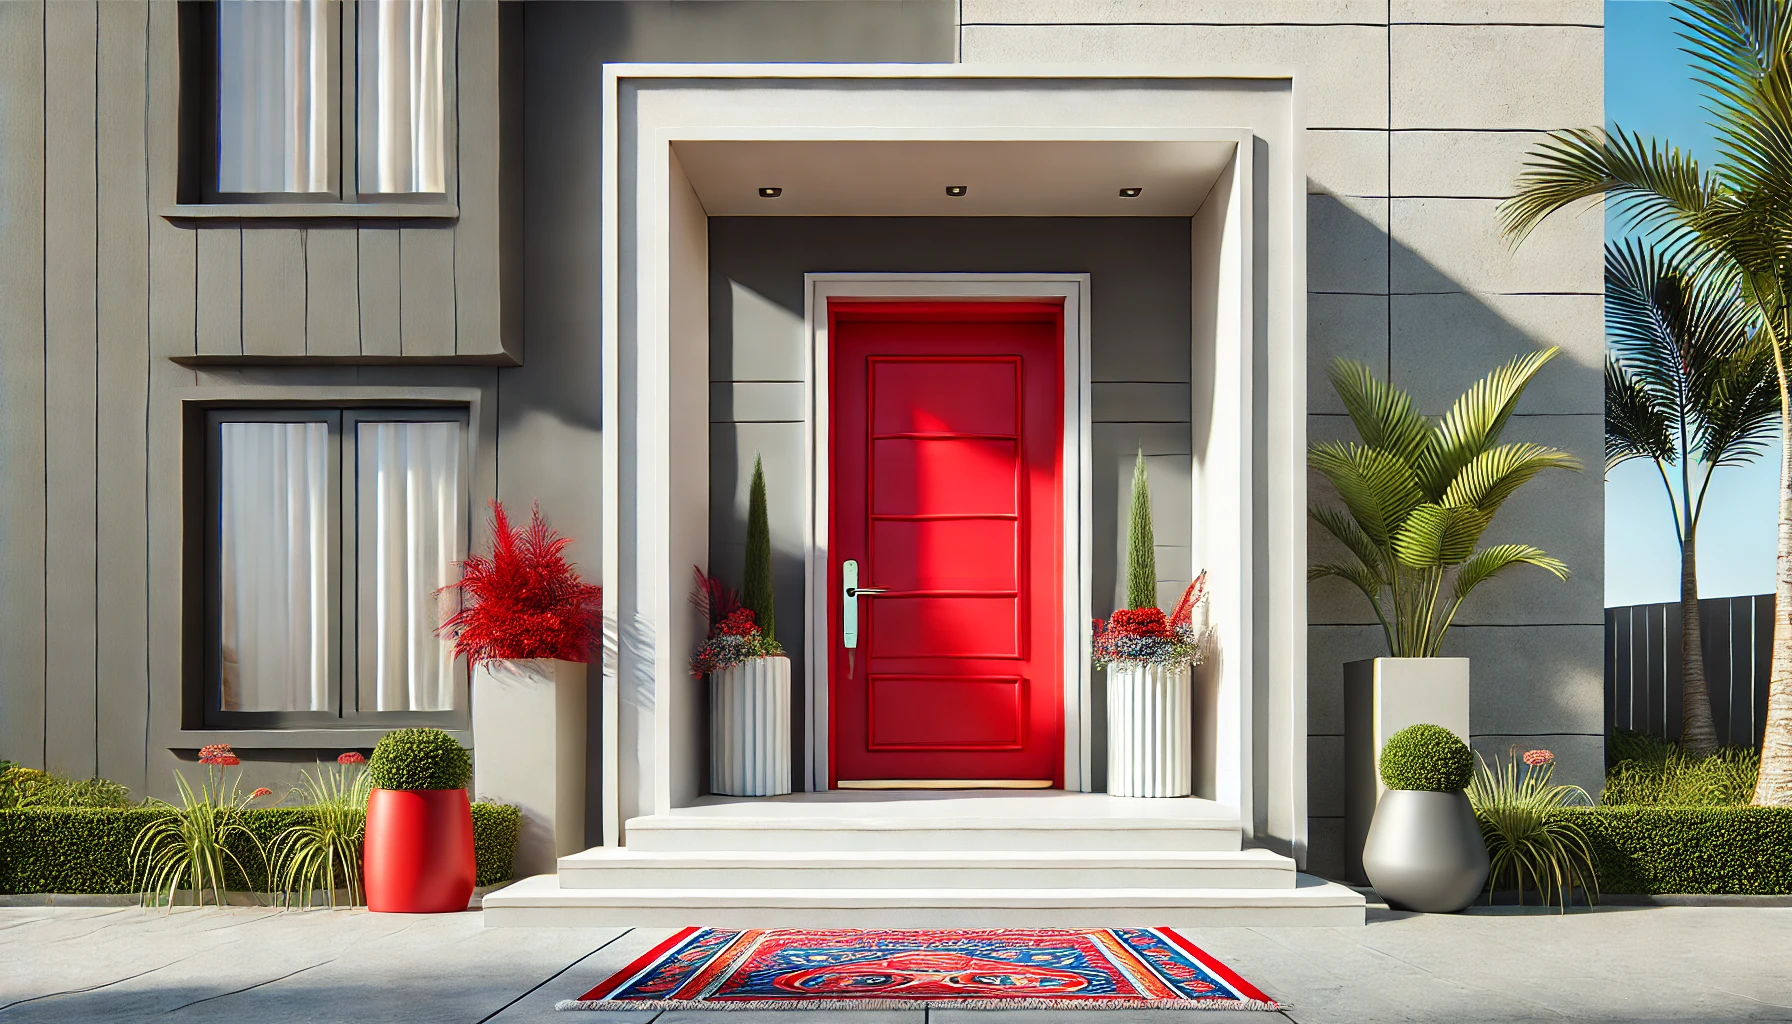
(749, 674)
(1424, 851)
(417, 857)
(1418, 495)
(527, 625)
(1149, 660)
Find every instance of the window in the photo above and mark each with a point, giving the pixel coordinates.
(315, 101)
(331, 533)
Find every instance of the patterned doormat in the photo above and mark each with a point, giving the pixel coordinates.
(888, 968)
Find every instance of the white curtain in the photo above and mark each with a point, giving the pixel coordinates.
(399, 84)
(274, 561)
(276, 107)
(410, 539)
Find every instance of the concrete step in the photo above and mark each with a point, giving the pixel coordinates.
(863, 821)
(633, 868)
(541, 902)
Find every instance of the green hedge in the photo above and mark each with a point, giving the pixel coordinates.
(495, 828)
(1651, 850)
(88, 849)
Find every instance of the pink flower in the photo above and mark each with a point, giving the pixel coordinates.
(258, 794)
(1538, 758)
(351, 757)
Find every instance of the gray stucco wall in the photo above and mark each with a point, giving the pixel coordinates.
(1419, 113)
(1139, 355)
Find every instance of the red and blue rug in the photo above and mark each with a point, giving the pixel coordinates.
(890, 968)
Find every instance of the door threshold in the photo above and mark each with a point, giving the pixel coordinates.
(943, 784)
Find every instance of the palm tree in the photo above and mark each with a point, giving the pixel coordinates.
(1734, 222)
(1418, 495)
(1689, 387)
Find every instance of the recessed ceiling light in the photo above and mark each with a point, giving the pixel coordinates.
(1130, 193)
(770, 193)
(957, 191)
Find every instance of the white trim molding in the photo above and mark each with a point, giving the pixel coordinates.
(1248, 395)
(1073, 291)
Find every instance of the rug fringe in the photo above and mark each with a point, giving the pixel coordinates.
(917, 1004)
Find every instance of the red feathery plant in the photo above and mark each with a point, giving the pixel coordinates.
(524, 600)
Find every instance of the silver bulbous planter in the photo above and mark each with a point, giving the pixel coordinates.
(1425, 852)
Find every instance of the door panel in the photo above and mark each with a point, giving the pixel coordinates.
(946, 487)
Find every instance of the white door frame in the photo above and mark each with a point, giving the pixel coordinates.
(1073, 290)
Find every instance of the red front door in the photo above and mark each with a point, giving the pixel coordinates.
(946, 484)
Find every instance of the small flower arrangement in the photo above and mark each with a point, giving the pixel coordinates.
(1147, 636)
(734, 634)
(1141, 634)
(740, 629)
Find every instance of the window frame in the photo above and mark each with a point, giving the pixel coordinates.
(343, 573)
(197, 193)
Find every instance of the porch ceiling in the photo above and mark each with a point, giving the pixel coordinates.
(829, 178)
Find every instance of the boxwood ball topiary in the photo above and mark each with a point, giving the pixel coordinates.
(419, 759)
(1429, 758)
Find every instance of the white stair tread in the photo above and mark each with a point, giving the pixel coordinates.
(609, 858)
(946, 809)
(545, 891)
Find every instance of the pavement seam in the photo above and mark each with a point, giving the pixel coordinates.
(246, 988)
(92, 988)
(556, 974)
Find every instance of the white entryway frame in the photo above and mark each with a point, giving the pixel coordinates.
(1076, 587)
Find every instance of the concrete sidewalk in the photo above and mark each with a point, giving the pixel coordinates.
(251, 966)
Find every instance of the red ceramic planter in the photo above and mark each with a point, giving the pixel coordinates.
(418, 854)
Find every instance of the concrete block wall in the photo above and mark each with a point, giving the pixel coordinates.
(1419, 113)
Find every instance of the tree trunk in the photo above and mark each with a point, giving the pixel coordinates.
(1774, 787)
(1698, 733)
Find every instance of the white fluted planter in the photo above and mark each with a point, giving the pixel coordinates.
(1150, 730)
(749, 728)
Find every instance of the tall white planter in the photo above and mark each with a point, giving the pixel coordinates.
(1151, 725)
(1381, 697)
(529, 750)
(749, 728)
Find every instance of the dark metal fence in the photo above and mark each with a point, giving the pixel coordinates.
(1642, 666)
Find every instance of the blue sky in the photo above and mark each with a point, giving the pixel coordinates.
(1649, 89)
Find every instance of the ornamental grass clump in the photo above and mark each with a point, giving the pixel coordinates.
(410, 759)
(1141, 634)
(324, 851)
(1647, 771)
(524, 600)
(191, 847)
(1529, 844)
(1426, 758)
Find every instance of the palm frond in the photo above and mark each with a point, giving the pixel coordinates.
(1382, 414)
(1645, 183)
(1487, 563)
(1341, 526)
(1635, 427)
(1741, 406)
(1437, 536)
(1491, 477)
(1378, 488)
(1474, 423)
(1354, 572)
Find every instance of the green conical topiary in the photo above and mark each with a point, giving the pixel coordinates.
(756, 584)
(1141, 546)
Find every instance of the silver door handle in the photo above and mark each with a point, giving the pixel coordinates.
(849, 608)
